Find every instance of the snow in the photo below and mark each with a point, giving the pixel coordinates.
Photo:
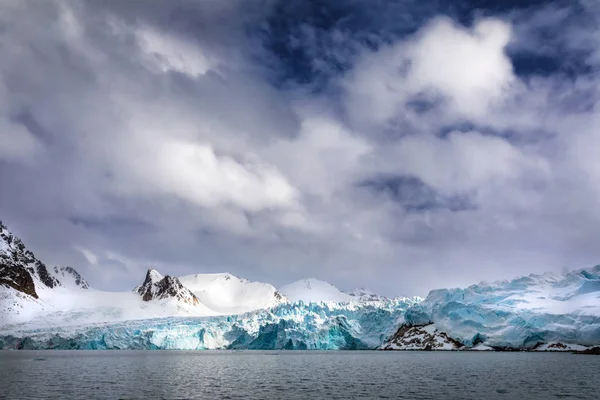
(68, 278)
(227, 294)
(65, 307)
(314, 290)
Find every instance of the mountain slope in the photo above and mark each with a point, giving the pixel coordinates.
(19, 268)
(69, 278)
(314, 290)
(227, 294)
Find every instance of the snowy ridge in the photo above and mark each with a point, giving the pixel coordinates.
(69, 278)
(227, 294)
(314, 290)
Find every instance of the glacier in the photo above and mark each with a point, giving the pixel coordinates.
(291, 326)
(522, 313)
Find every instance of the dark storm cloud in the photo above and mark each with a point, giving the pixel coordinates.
(414, 195)
(401, 145)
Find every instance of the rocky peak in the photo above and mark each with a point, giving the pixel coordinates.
(19, 268)
(68, 274)
(22, 271)
(157, 286)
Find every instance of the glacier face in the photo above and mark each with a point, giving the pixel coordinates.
(322, 326)
(518, 314)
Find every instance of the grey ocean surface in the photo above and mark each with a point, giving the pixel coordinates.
(296, 375)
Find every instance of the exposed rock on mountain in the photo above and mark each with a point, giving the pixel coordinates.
(70, 278)
(19, 268)
(421, 337)
(17, 278)
(156, 287)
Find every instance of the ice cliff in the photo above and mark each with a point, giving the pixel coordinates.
(524, 313)
(325, 326)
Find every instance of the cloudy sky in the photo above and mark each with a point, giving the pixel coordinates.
(399, 145)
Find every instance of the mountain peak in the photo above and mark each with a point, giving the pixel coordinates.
(159, 287)
(22, 271)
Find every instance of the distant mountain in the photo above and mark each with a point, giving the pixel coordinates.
(363, 294)
(314, 290)
(226, 293)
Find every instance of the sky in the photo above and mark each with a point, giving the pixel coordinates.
(400, 145)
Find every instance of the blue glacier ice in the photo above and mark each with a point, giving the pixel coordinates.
(324, 326)
(518, 314)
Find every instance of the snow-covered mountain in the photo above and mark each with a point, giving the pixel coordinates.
(227, 294)
(69, 278)
(20, 269)
(314, 290)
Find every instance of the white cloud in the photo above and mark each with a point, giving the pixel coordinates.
(467, 69)
(173, 54)
(195, 173)
(463, 162)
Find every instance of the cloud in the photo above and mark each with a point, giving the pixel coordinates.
(17, 143)
(466, 69)
(285, 141)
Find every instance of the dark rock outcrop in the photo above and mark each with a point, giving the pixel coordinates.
(18, 279)
(20, 269)
(156, 287)
(421, 337)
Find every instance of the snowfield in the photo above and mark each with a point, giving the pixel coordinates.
(228, 294)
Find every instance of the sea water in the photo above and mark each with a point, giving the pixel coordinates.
(296, 375)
